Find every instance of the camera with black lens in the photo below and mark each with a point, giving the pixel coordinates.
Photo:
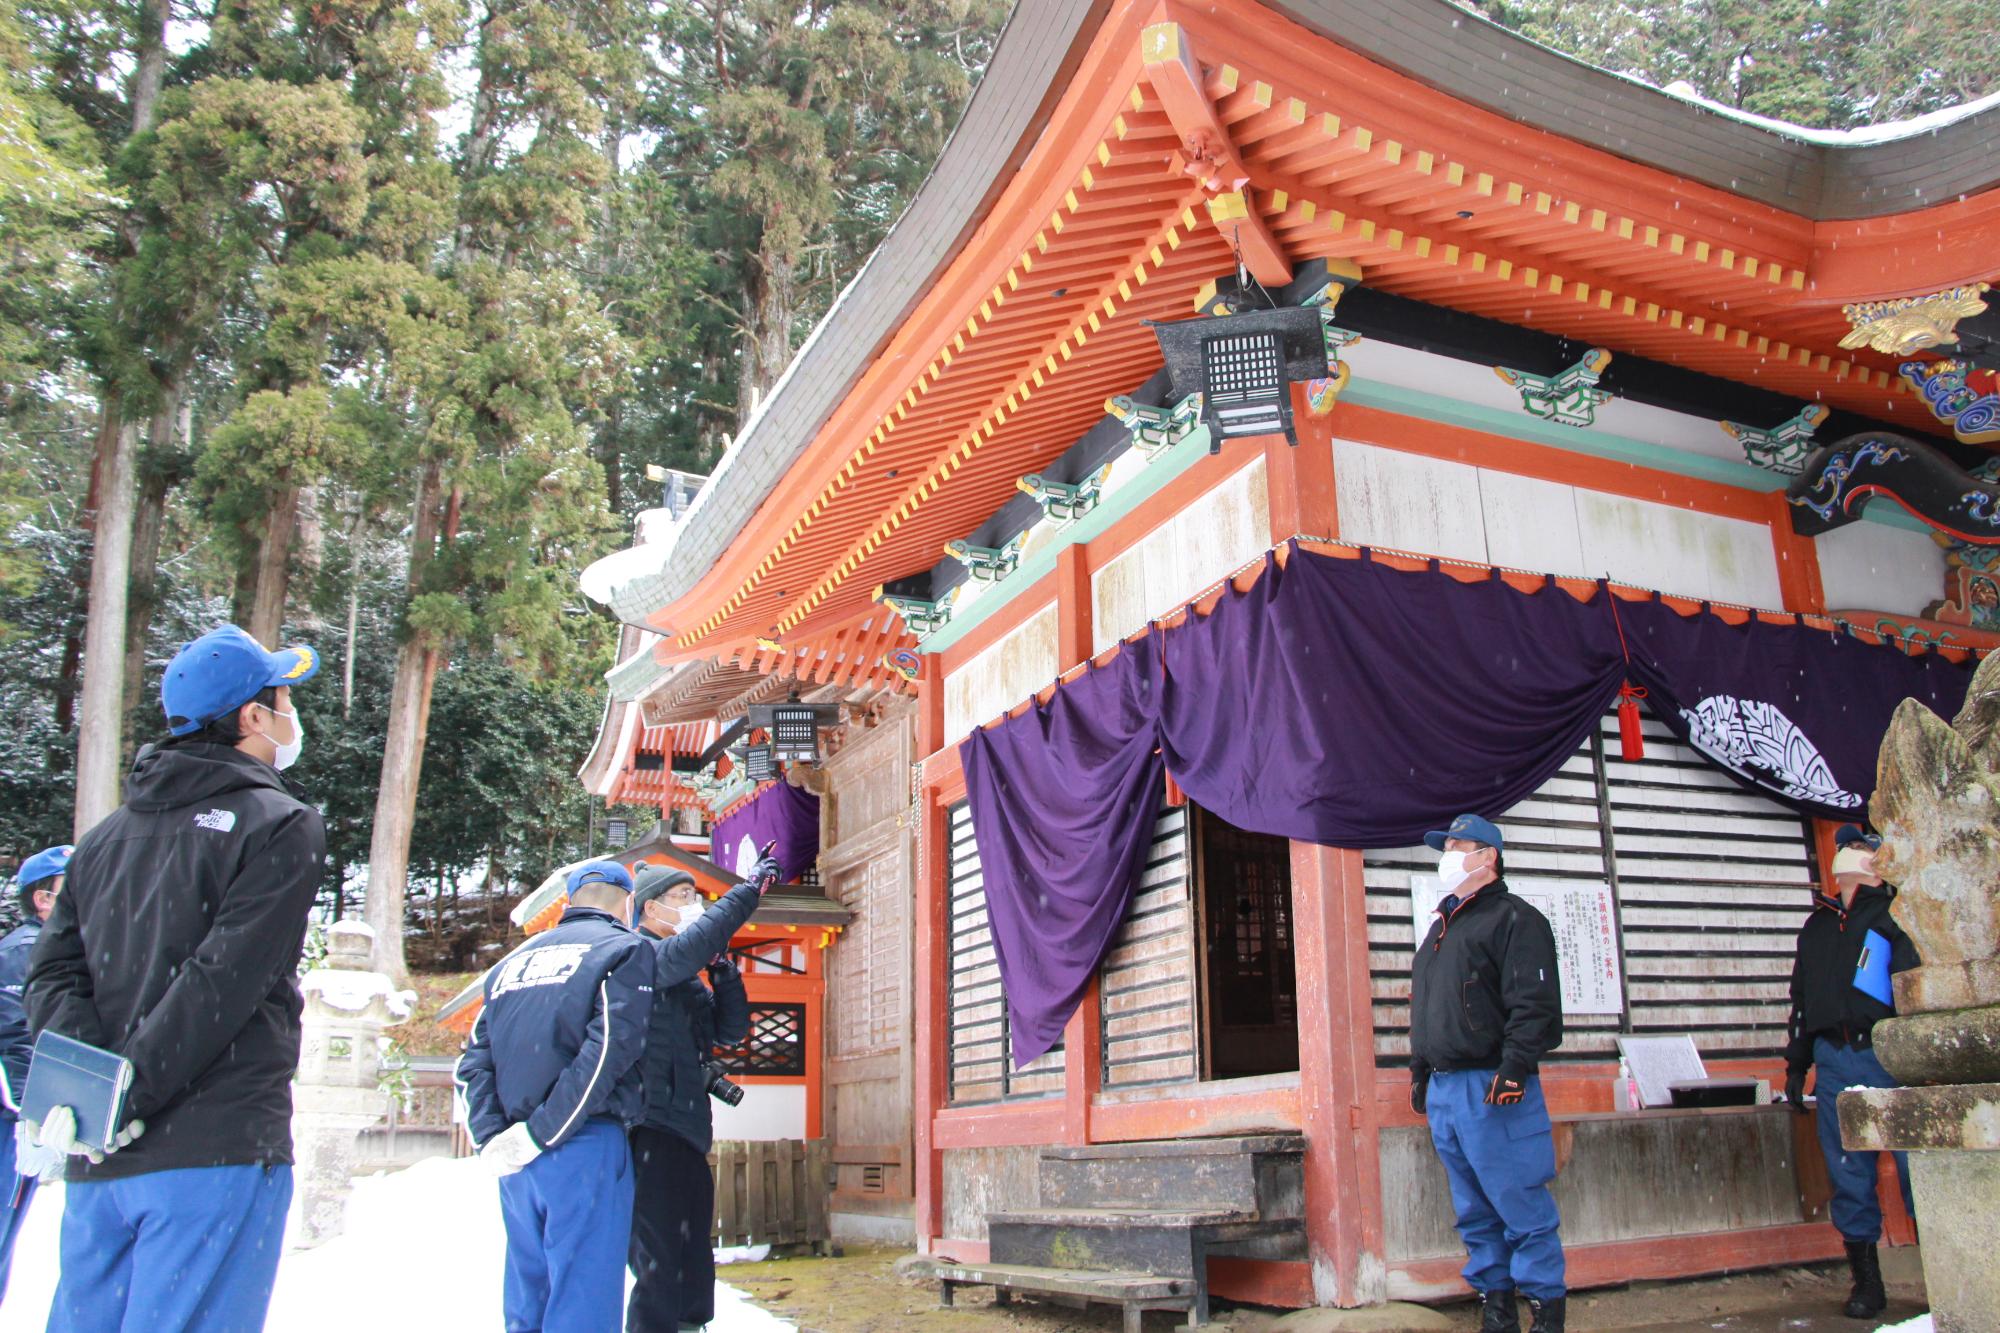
(717, 1080)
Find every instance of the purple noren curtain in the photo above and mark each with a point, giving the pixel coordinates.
(779, 811)
(1345, 702)
(1064, 798)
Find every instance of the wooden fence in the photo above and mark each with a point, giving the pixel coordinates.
(771, 1192)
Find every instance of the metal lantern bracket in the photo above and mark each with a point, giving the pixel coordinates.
(1243, 367)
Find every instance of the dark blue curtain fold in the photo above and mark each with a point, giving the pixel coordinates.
(1344, 702)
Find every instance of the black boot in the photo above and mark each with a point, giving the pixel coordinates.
(1498, 1313)
(1548, 1314)
(1867, 1299)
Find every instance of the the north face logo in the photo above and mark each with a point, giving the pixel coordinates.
(222, 821)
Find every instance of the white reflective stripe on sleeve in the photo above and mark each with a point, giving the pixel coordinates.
(603, 1054)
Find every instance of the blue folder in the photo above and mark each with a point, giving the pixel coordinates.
(1871, 970)
(92, 1083)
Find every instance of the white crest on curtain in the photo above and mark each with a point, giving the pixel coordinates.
(1756, 740)
(746, 857)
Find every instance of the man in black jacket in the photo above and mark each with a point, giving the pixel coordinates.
(1848, 948)
(1485, 1007)
(175, 943)
(672, 1264)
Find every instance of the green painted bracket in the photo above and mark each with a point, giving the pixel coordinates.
(1169, 463)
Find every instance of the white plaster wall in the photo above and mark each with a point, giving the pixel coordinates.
(1874, 567)
(1225, 528)
(1002, 675)
(1435, 506)
(769, 1111)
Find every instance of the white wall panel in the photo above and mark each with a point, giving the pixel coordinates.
(1215, 535)
(1678, 550)
(1002, 675)
(1408, 502)
(1530, 523)
(1874, 567)
(1435, 506)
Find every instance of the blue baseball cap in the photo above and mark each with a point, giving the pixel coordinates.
(600, 872)
(1849, 834)
(45, 864)
(1470, 827)
(223, 670)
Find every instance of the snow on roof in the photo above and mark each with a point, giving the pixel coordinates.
(1887, 132)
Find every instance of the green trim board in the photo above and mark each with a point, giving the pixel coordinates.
(1177, 458)
(1193, 447)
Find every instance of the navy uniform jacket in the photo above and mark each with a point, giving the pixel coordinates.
(559, 1039)
(16, 1041)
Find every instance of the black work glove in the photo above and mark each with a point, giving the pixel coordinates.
(1506, 1089)
(1795, 1091)
(768, 871)
(1420, 1089)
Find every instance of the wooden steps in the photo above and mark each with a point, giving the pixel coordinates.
(1134, 1293)
(1133, 1224)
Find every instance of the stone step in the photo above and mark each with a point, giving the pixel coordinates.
(1263, 1175)
(1134, 1293)
(1164, 1242)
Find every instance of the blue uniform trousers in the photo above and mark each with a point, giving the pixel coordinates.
(193, 1250)
(15, 1192)
(1856, 1208)
(1500, 1160)
(569, 1223)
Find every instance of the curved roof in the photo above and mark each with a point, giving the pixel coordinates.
(1818, 176)
(1474, 169)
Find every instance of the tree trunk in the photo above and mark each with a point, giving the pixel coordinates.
(767, 346)
(262, 582)
(159, 472)
(98, 750)
(417, 664)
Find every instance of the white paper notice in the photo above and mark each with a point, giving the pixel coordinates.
(1585, 928)
(1657, 1063)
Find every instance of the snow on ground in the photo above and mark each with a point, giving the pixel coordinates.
(422, 1253)
(1921, 1324)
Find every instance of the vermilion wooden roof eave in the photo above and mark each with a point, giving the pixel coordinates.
(1108, 68)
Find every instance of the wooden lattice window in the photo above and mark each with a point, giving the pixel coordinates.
(776, 1044)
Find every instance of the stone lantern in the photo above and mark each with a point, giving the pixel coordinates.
(338, 1091)
(1937, 804)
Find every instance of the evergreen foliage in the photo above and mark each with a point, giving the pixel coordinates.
(400, 298)
(1824, 64)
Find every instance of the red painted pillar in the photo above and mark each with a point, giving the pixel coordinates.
(1300, 477)
(929, 1025)
(1343, 1166)
(1083, 1037)
(1798, 560)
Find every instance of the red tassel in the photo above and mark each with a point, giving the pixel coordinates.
(1631, 741)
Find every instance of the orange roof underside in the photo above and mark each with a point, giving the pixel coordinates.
(1040, 318)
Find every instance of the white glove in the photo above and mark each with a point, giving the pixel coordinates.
(510, 1150)
(57, 1135)
(31, 1159)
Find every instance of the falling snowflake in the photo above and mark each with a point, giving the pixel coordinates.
(1757, 741)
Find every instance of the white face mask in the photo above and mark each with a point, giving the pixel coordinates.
(288, 753)
(1452, 871)
(1854, 859)
(691, 913)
